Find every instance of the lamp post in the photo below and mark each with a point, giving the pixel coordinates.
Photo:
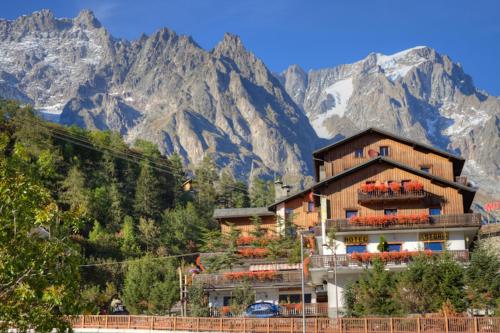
(302, 233)
(334, 277)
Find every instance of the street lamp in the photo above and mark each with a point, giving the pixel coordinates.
(334, 250)
(302, 233)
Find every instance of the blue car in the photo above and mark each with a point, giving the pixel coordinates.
(262, 310)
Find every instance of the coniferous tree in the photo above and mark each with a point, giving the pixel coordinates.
(148, 201)
(204, 184)
(482, 279)
(261, 193)
(129, 247)
(151, 286)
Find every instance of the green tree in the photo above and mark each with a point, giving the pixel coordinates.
(73, 191)
(151, 286)
(261, 193)
(242, 296)
(182, 229)
(149, 233)
(197, 301)
(375, 292)
(429, 282)
(382, 246)
(204, 186)
(38, 271)
(129, 247)
(231, 193)
(482, 279)
(148, 195)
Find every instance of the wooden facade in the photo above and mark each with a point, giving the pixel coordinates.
(245, 225)
(342, 193)
(343, 156)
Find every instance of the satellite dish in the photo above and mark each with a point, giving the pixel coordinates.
(372, 153)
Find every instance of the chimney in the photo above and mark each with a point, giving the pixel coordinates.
(278, 184)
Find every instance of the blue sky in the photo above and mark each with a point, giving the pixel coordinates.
(311, 33)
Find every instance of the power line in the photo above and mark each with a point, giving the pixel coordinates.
(135, 260)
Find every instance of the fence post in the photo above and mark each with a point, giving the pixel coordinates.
(221, 323)
(366, 325)
(152, 324)
(475, 325)
(268, 325)
(291, 324)
(418, 324)
(339, 322)
(392, 325)
(175, 324)
(83, 321)
(244, 325)
(106, 321)
(446, 324)
(316, 325)
(197, 324)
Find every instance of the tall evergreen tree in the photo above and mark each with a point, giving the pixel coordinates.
(261, 192)
(148, 200)
(204, 185)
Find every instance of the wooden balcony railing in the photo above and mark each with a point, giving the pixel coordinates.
(435, 221)
(379, 196)
(286, 310)
(292, 325)
(221, 280)
(346, 260)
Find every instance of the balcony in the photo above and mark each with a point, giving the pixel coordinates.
(349, 260)
(434, 221)
(286, 310)
(391, 196)
(228, 280)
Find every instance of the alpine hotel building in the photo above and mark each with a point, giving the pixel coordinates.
(369, 187)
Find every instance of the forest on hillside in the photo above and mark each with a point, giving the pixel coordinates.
(122, 203)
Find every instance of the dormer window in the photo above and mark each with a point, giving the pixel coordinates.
(358, 153)
(384, 151)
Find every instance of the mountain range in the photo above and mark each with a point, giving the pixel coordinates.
(167, 89)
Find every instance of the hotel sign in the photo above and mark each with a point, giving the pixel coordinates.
(433, 236)
(356, 239)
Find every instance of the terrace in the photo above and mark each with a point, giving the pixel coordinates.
(414, 222)
(258, 278)
(389, 258)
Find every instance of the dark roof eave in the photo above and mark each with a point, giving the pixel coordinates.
(394, 136)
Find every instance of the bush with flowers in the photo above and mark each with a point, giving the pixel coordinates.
(252, 252)
(394, 187)
(386, 220)
(252, 276)
(394, 256)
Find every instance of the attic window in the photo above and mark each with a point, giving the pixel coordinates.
(358, 152)
(384, 151)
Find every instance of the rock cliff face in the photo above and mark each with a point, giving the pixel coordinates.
(417, 93)
(163, 88)
(167, 89)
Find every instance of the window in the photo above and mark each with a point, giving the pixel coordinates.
(310, 207)
(434, 246)
(358, 153)
(294, 298)
(384, 151)
(355, 248)
(435, 211)
(395, 247)
(350, 213)
(425, 169)
(390, 211)
(322, 172)
(226, 301)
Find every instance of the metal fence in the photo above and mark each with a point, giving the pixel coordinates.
(291, 325)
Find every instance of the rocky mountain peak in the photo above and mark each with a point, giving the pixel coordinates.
(86, 18)
(230, 45)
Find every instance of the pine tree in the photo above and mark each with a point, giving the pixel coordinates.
(151, 286)
(129, 246)
(261, 193)
(148, 201)
(204, 185)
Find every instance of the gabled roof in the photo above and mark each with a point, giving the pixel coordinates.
(383, 159)
(241, 212)
(458, 161)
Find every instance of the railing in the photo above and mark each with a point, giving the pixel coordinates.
(435, 221)
(286, 310)
(292, 325)
(244, 261)
(221, 280)
(378, 196)
(346, 260)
